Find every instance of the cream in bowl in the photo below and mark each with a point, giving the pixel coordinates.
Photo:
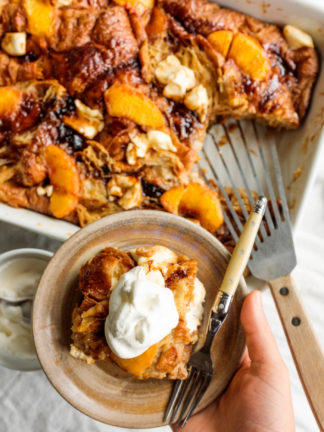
(20, 272)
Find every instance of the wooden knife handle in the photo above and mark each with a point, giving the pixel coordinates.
(303, 344)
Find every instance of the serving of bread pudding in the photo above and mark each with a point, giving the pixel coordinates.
(175, 276)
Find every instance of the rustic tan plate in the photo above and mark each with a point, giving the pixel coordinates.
(103, 391)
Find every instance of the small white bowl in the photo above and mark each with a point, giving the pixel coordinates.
(7, 359)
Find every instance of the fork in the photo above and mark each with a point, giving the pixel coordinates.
(189, 392)
(273, 257)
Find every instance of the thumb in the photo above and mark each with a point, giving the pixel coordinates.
(261, 344)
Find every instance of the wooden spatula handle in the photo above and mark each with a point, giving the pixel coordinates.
(304, 346)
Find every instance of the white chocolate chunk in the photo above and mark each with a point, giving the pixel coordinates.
(132, 197)
(180, 82)
(89, 121)
(116, 191)
(137, 148)
(131, 155)
(157, 255)
(160, 141)
(197, 100)
(173, 91)
(166, 68)
(178, 79)
(141, 144)
(40, 191)
(49, 190)
(62, 3)
(87, 130)
(128, 188)
(297, 38)
(14, 43)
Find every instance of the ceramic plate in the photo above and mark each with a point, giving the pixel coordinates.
(102, 390)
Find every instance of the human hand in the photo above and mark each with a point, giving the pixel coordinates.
(258, 398)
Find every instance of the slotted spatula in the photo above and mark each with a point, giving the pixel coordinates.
(274, 257)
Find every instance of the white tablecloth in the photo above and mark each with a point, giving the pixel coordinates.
(29, 403)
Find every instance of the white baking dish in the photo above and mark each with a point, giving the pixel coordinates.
(300, 148)
(297, 149)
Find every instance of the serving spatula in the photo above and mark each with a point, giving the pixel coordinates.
(274, 257)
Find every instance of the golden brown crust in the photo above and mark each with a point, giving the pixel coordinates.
(74, 29)
(282, 99)
(198, 16)
(98, 276)
(93, 45)
(31, 169)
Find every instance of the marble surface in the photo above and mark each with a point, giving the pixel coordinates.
(28, 402)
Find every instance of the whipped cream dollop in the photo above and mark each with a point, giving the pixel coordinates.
(142, 312)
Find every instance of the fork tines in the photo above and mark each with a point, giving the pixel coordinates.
(186, 395)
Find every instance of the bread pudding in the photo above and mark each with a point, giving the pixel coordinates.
(104, 105)
(142, 309)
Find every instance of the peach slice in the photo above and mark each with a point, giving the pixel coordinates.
(171, 199)
(64, 177)
(62, 169)
(195, 200)
(250, 56)
(9, 102)
(62, 203)
(126, 101)
(158, 22)
(40, 15)
(203, 204)
(136, 5)
(138, 364)
(221, 41)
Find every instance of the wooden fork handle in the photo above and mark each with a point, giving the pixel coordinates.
(303, 344)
